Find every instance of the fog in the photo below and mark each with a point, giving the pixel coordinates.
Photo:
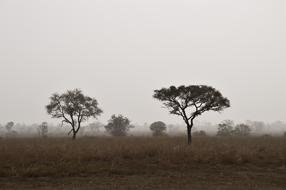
(97, 129)
(121, 51)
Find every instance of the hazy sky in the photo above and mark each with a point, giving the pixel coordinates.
(119, 51)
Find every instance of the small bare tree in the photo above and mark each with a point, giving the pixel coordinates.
(73, 107)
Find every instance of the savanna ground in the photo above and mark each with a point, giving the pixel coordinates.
(257, 163)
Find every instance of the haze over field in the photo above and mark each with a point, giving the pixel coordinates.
(120, 51)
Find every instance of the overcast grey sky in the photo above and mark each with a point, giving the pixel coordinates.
(119, 51)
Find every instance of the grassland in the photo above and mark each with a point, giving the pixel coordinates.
(143, 163)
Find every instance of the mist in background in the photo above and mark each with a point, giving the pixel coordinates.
(120, 51)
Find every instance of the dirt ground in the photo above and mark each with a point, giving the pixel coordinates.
(201, 177)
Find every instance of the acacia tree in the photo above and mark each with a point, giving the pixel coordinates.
(118, 125)
(158, 128)
(73, 107)
(191, 101)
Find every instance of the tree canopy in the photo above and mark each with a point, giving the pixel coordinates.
(191, 101)
(73, 107)
(118, 125)
(158, 128)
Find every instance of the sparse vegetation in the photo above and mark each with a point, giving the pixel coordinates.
(54, 157)
(147, 158)
(144, 159)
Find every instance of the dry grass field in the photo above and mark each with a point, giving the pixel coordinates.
(143, 163)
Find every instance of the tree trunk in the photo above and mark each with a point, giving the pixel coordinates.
(74, 135)
(189, 128)
(189, 135)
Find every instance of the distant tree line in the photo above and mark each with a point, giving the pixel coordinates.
(189, 102)
(228, 128)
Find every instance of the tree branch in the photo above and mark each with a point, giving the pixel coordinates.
(70, 131)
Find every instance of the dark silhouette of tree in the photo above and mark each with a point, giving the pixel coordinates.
(241, 130)
(43, 130)
(191, 101)
(158, 128)
(118, 125)
(225, 129)
(73, 107)
(9, 126)
(11, 133)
